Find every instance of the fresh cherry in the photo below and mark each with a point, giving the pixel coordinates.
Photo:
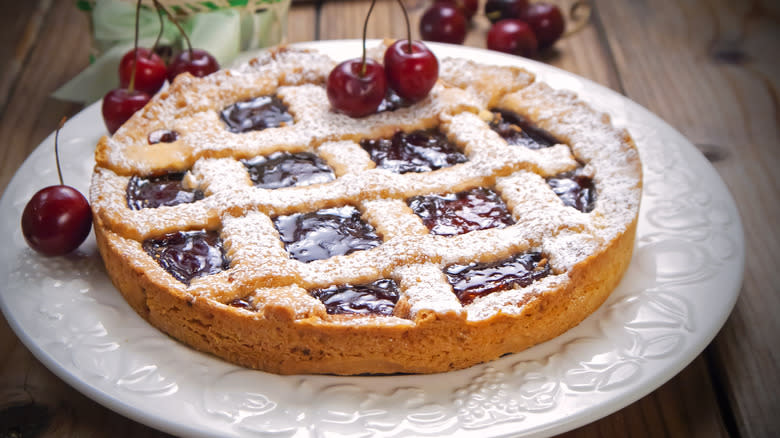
(356, 88)
(57, 218)
(150, 73)
(196, 62)
(468, 7)
(546, 21)
(121, 103)
(412, 70)
(512, 36)
(496, 10)
(443, 23)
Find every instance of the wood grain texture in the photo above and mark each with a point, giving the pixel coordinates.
(56, 56)
(301, 23)
(19, 35)
(344, 20)
(711, 69)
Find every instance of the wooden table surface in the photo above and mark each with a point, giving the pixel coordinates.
(708, 67)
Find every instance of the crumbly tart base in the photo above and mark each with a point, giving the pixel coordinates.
(287, 331)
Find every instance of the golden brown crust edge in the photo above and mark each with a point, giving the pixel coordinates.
(275, 342)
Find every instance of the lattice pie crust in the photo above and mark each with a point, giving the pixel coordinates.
(280, 325)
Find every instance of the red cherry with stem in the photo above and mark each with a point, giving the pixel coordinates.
(547, 22)
(121, 103)
(512, 36)
(412, 70)
(356, 88)
(196, 62)
(57, 219)
(150, 72)
(468, 7)
(443, 23)
(496, 10)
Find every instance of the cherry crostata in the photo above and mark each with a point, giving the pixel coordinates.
(244, 217)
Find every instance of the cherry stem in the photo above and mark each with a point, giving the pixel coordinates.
(579, 14)
(365, 31)
(408, 27)
(131, 85)
(162, 28)
(493, 15)
(56, 148)
(159, 6)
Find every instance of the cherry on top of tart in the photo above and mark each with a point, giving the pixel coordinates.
(458, 213)
(418, 151)
(256, 114)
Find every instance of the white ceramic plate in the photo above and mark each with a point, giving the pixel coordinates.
(680, 287)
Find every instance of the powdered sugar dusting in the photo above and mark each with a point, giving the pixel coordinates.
(243, 214)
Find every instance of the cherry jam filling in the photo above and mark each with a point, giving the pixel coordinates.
(188, 254)
(162, 136)
(458, 213)
(392, 102)
(283, 169)
(377, 298)
(575, 190)
(242, 303)
(256, 114)
(325, 233)
(479, 279)
(418, 151)
(519, 131)
(158, 191)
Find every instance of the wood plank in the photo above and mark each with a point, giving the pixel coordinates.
(720, 59)
(19, 35)
(301, 23)
(344, 20)
(58, 55)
